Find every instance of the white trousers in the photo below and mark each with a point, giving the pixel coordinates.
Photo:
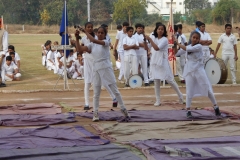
(172, 83)
(80, 70)
(44, 60)
(142, 59)
(121, 70)
(130, 66)
(180, 63)
(51, 66)
(18, 75)
(231, 60)
(206, 55)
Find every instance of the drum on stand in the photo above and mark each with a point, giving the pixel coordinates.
(135, 81)
(216, 71)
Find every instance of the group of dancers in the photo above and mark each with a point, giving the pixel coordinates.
(98, 69)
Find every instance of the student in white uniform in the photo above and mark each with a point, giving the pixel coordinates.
(205, 41)
(102, 69)
(197, 83)
(78, 74)
(130, 45)
(10, 70)
(141, 52)
(229, 50)
(88, 68)
(160, 66)
(16, 59)
(3, 51)
(69, 65)
(44, 53)
(181, 57)
(50, 59)
(119, 47)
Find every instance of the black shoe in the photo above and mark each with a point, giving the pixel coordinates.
(151, 82)
(217, 111)
(3, 85)
(115, 103)
(183, 81)
(189, 114)
(147, 84)
(86, 107)
(126, 85)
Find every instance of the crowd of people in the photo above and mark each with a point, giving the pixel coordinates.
(9, 60)
(139, 54)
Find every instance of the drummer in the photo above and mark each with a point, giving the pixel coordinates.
(205, 41)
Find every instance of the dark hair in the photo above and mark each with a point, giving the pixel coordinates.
(138, 25)
(125, 24)
(11, 47)
(158, 23)
(228, 25)
(179, 26)
(143, 26)
(129, 28)
(195, 32)
(119, 26)
(175, 27)
(95, 30)
(47, 43)
(79, 54)
(197, 22)
(104, 25)
(104, 29)
(155, 30)
(90, 23)
(8, 58)
(201, 24)
(12, 53)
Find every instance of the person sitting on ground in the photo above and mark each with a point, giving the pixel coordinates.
(50, 59)
(78, 74)
(10, 70)
(16, 59)
(44, 52)
(69, 65)
(13, 55)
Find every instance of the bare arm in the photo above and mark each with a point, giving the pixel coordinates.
(80, 48)
(92, 39)
(127, 47)
(116, 44)
(217, 48)
(152, 43)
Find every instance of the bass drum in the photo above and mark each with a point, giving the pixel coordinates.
(216, 71)
(135, 81)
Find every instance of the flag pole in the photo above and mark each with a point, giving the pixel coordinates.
(65, 23)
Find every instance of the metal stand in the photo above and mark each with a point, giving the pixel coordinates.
(64, 80)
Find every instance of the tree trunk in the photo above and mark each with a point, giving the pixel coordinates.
(129, 19)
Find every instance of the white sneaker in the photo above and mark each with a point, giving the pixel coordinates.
(95, 117)
(157, 104)
(125, 113)
(182, 101)
(234, 82)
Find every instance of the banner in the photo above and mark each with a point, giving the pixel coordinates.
(171, 55)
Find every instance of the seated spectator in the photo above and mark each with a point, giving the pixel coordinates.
(69, 65)
(10, 70)
(44, 52)
(50, 59)
(78, 74)
(13, 55)
(16, 59)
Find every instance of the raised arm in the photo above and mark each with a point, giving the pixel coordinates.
(152, 43)
(80, 48)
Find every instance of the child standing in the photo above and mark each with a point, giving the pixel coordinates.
(102, 69)
(130, 45)
(197, 83)
(160, 67)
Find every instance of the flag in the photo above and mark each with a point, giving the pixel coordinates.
(171, 55)
(63, 28)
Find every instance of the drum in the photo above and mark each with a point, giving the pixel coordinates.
(216, 71)
(135, 81)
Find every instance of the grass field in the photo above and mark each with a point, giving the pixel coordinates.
(35, 76)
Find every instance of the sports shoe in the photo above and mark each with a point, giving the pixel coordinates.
(126, 85)
(234, 82)
(95, 117)
(125, 113)
(157, 104)
(115, 103)
(2, 85)
(86, 107)
(147, 84)
(120, 81)
(217, 111)
(181, 101)
(189, 114)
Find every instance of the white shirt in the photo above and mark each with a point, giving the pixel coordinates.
(77, 64)
(50, 55)
(68, 60)
(228, 43)
(130, 41)
(139, 38)
(205, 36)
(86, 42)
(5, 43)
(9, 69)
(120, 36)
(108, 38)
(101, 55)
(17, 57)
(56, 56)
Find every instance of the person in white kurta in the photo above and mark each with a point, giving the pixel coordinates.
(229, 50)
(197, 82)
(11, 70)
(50, 61)
(16, 59)
(142, 52)
(130, 45)
(79, 70)
(159, 64)
(102, 69)
(205, 41)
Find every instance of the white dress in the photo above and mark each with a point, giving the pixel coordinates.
(159, 65)
(88, 62)
(197, 82)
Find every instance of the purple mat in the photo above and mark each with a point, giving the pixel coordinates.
(153, 116)
(192, 149)
(36, 120)
(48, 137)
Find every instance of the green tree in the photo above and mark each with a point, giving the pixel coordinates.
(196, 4)
(126, 9)
(177, 17)
(222, 12)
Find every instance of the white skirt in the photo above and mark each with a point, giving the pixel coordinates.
(88, 70)
(162, 72)
(103, 77)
